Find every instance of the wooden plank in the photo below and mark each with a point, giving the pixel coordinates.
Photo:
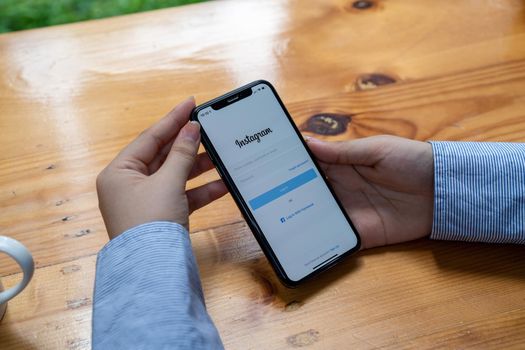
(52, 207)
(107, 79)
(72, 96)
(485, 104)
(54, 312)
(418, 295)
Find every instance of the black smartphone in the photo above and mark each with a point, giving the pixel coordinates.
(278, 186)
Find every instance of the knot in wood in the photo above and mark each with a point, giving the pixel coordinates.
(362, 4)
(371, 81)
(327, 123)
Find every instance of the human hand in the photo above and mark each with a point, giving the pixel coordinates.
(385, 184)
(147, 180)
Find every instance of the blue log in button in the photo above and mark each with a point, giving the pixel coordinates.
(282, 189)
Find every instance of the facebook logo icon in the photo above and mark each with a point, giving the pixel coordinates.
(283, 219)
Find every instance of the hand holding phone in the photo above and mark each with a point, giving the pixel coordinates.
(277, 184)
(147, 180)
(385, 184)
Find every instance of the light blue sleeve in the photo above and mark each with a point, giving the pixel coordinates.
(148, 293)
(479, 192)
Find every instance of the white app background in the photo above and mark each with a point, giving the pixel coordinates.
(277, 179)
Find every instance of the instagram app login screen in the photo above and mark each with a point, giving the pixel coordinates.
(279, 183)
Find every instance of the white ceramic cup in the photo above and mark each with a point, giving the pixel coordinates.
(23, 257)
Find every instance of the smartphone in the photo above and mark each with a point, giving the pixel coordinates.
(275, 181)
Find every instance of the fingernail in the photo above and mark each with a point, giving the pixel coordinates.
(191, 131)
(189, 99)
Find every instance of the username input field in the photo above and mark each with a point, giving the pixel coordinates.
(271, 151)
(273, 168)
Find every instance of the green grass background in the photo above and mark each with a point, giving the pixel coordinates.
(26, 14)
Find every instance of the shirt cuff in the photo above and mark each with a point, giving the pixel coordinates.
(148, 292)
(148, 242)
(479, 192)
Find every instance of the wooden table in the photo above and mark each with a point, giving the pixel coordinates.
(72, 96)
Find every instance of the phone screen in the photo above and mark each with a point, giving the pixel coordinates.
(278, 181)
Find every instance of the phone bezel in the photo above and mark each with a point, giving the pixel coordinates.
(242, 205)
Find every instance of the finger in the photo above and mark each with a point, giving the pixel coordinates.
(159, 159)
(356, 152)
(200, 196)
(146, 146)
(324, 166)
(202, 164)
(181, 158)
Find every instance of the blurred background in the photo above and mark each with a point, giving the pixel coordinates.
(26, 14)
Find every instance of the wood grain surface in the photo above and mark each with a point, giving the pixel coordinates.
(72, 96)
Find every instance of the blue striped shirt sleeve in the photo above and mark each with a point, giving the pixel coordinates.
(479, 192)
(148, 293)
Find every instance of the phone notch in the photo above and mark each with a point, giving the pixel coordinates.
(229, 99)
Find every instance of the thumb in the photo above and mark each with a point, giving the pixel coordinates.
(324, 151)
(355, 152)
(179, 161)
